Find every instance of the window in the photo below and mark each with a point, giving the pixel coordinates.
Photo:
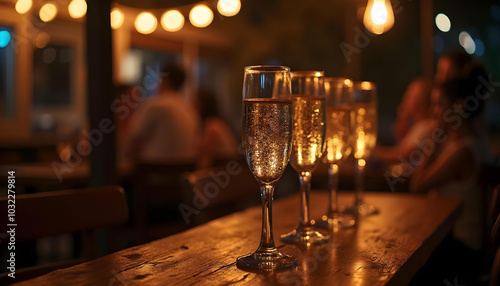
(52, 76)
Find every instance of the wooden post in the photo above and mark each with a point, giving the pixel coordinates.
(426, 27)
(100, 94)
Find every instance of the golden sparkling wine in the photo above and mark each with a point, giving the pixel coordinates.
(267, 136)
(365, 129)
(338, 134)
(308, 136)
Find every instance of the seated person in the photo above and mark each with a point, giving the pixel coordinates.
(413, 122)
(453, 168)
(165, 128)
(218, 140)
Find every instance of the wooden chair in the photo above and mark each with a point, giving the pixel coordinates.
(156, 185)
(223, 190)
(53, 213)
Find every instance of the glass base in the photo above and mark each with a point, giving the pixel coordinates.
(362, 209)
(267, 261)
(335, 222)
(304, 236)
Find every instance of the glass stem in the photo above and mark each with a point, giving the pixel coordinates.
(305, 187)
(360, 174)
(333, 176)
(266, 196)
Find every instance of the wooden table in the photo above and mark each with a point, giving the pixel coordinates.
(385, 249)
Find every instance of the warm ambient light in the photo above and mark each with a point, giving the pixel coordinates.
(172, 21)
(443, 22)
(379, 17)
(228, 8)
(467, 42)
(77, 8)
(23, 6)
(116, 18)
(4, 39)
(48, 12)
(201, 16)
(145, 23)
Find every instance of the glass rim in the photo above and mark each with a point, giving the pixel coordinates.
(267, 68)
(307, 73)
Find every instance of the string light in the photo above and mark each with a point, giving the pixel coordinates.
(145, 23)
(201, 16)
(172, 21)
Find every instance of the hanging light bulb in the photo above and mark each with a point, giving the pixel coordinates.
(379, 17)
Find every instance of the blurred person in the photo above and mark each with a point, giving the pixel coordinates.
(457, 64)
(451, 65)
(218, 140)
(413, 122)
(165, 128)
(452, 169)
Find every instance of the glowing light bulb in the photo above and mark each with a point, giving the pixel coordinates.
(77, 8)
(145, 23)
(48, 12)
(228, 8)
(116, 18)
(379, 17)
(201, 16)
(172, 21)
(23, 6)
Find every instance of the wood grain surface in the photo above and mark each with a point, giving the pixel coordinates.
(384, 249)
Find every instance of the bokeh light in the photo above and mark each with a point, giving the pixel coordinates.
(479, 47)
(48, 12)
(228, 8)
(23, 6)
(443, 23)
(77, 8)
(201, 16)
(467, 42)
(4, 38)
(117, 18)
(172, 21)
(41, 40)
(145, 23)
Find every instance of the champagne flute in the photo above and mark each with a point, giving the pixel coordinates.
(339, 96)
(267, 136)
(308, 133)
(364, 116)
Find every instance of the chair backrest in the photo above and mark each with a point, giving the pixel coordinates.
(225, 189)
(53, 213)
(160, 182)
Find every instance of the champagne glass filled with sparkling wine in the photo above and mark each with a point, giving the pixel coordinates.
(339, 97)
(267, 140)
(365, 128)
(308, 141)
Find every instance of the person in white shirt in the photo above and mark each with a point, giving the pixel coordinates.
(166, 129)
